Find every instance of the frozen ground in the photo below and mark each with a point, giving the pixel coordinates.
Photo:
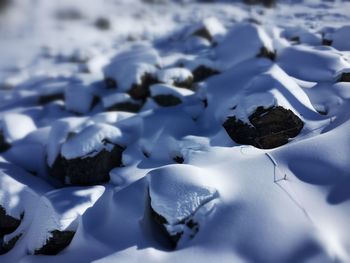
(174, 131)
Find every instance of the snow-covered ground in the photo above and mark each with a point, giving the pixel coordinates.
(174, 131)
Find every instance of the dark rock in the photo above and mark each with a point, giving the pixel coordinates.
(203, 33)
(4, 146)
(125, 106)
(167, 100)
(102, 23)
(141, 91)
(202, 72)
(45, 99)
(271, 127)
(345, 77)
(4, 4)
(187, 83)
(327, 42)
(6, 247)
(161, 221)
(87, 170)
(179, 159)
(266, 3)
(8, 224)
(295, 39)
(56, 243)
(110, 83)
(265, 53)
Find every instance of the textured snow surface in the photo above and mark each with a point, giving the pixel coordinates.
(177, 192)
(287, 204)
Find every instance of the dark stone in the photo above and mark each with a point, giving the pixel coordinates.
(45, 99)
(202, 72)
(102, 23)
(87, 170)
(56, 243)
(141, 91)
(271, 127)
(265, 53)
(167, 100)
(203, 33)
(295, 39)
(179, 159)
(187, 83)
(6, 247)
(125, 106)
(8, 224)
(345, 77)
(110, 83)
(161, 221)
(4, 146)
(327, 42)
(266, 3)
(4, 4)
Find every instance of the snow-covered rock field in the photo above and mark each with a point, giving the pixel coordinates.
(174, 131)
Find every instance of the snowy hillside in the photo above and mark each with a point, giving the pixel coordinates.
(174, 131)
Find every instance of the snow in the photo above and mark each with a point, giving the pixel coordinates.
(174, 75)
(340, 38)
(16, 126)
(91, 141)
(287, 204)
(312, 63)
(231, 51)
(129, 66)
(175, 195)
(163, 89)
(85, 99)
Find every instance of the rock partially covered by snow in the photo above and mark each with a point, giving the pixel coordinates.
(244, 41)
(87, 157)
(16, 126)
(177, 192)
(267, 128)
(132, 70)
(179, 77)
(167, 95)
(302, 35)
(312, 63)
(90, 141)
(210, 29)
(57, 217)
(121, 102)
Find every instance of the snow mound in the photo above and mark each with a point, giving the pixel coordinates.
(318, 64)
(175, 195)
(244, 41)
(129, 66)
(90, 141)
(16, 126)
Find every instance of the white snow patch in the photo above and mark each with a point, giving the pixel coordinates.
(177, 191)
